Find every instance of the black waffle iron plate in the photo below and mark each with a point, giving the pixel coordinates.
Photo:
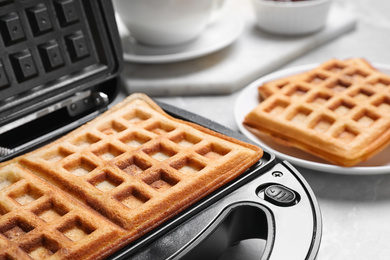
(60, 62)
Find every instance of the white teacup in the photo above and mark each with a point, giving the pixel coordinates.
(166, 22)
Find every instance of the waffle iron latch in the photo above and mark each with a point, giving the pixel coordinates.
(85, 101)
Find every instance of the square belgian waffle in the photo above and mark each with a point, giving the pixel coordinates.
(338, 111)
(111, 181)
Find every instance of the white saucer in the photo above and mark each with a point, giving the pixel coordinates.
(218, 35)
(248, 100)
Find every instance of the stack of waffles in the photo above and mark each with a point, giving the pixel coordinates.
(339, 111)
(111, 181)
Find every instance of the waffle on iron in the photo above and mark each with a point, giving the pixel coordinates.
(338, 111)
(111, 181)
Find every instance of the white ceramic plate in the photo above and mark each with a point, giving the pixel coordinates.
(248, 100)
(218, 35)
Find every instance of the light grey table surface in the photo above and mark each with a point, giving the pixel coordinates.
(355, 208)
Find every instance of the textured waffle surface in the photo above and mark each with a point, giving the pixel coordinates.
(339, 111)
(111, 181)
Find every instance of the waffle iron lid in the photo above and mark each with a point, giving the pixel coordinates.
(52, 49)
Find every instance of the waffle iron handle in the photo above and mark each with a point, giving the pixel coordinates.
(291, 231)
(233, 224)
(238, 223)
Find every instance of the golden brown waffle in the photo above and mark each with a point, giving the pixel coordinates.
(111, 181)
(339, 111)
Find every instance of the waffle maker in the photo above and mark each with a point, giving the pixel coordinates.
(60, 66)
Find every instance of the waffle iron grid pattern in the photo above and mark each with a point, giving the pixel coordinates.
(43, 43)
(121, 167)
(345, 104)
